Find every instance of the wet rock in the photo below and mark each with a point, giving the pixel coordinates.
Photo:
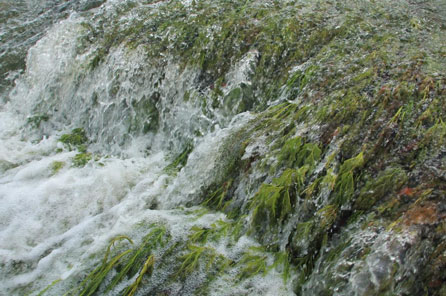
(87, 5)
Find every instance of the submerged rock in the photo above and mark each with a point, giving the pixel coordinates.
(334, 181)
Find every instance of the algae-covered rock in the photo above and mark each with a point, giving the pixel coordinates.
(336, 164)
(76, 139)
(6, 165)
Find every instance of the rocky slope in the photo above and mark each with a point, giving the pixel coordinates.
(333, 158)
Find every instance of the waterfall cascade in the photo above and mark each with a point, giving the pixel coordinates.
(222, 147)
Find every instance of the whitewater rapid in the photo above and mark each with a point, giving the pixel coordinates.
(56, 219)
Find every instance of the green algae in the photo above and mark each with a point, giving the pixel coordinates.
(239, 99)
(147, 269)
(253, 264)
(179, 162)
(41, 293)
(127, 262)
(216, 232)
(346, 101)
(389, 181)
(146, 114)
(81, 159)
(191, 260)
(274, 202)
(258, 261)
(76, 139)
(36, 120)
(363, 88)
(56, 166)
(91, 283)
(217, 198)
(157, 237)
(345, 184)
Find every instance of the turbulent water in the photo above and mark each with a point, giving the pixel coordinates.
(113, 127)
(53, 220)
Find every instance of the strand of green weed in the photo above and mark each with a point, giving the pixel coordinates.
(147, 268)
(97, 280)
(48, 287)
(124, 271)
(115, 239)
(97, 271)
(130, 264)
(152, 240)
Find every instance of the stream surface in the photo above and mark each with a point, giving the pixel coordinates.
(209, 146)
(55, 216)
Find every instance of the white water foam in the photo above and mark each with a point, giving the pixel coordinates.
(55, 217)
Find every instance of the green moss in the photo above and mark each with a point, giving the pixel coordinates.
(306, 244)
(239, 99)
(436, 135)
(299, 80)
(282, 265)
(389, 181)
(296, 153)
(191, 260)
(217, 231)
(345, 184)
(81, 159)
(369, 73)
(217, 198)
(199, 235)
(272, 120)
(146, 115)
(289, 153)
(41, 293)
(146, 270)
(179, 162)
(126, 263)
(92, 282)
(98, 58)
(274, 202)
(36, 120)
(75, 139)
(257, 261)
(310, 237)
(335, 252)
(327, 216)
(389, 207)
(344, 188)
(157, 237)
(363, 83)
(252, 265)
(329, 180)
(56, 166)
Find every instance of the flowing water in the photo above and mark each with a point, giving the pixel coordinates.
(108, 135)
(57, 218)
